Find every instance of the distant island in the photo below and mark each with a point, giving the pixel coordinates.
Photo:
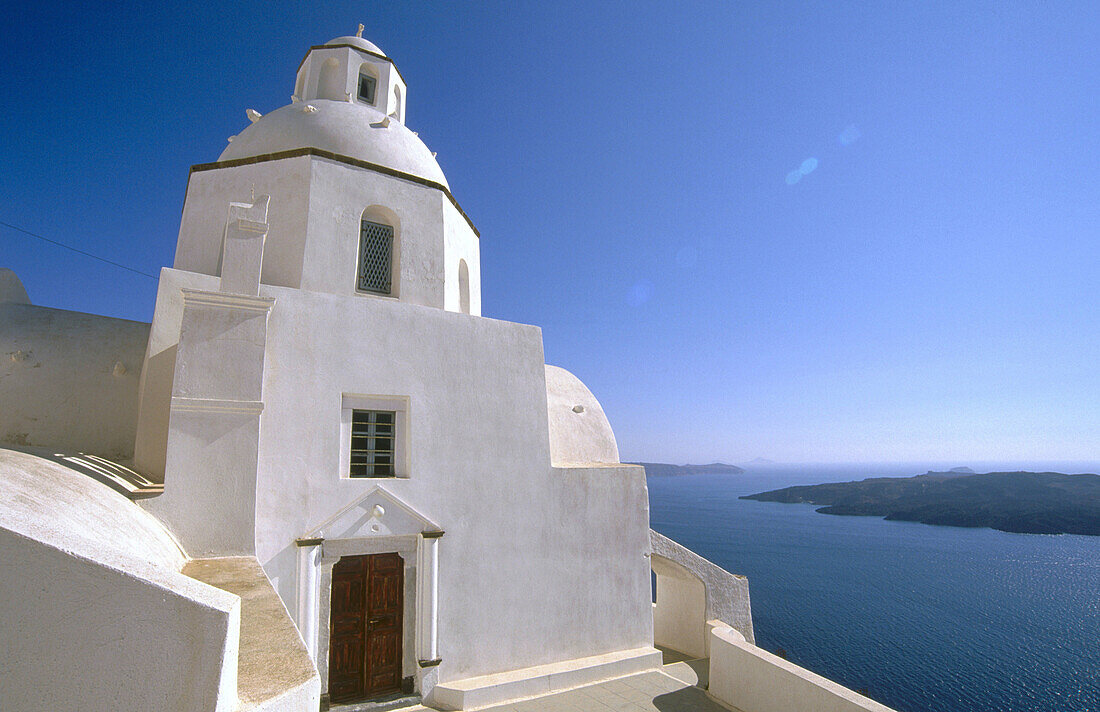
(661, 469)
(1022, 502)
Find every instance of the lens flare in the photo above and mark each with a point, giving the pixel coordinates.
(849, 135)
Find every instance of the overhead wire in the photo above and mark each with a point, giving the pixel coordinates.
(78, 251)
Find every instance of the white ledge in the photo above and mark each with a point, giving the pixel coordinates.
(487, 690)
(225, 300)
(213, 405)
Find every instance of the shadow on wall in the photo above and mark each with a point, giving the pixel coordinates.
(118, 477)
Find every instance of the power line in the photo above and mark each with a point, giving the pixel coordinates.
(79, 252)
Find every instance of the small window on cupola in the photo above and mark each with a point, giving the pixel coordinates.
(367, 87)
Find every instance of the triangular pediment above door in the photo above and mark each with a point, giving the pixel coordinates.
(376, 513)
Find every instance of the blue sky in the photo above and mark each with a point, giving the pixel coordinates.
(800, 231)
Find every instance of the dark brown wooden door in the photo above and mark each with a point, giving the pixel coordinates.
(365, 640)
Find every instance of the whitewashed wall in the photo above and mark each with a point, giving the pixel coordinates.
(93, 637)
(96, 615)
(68, 380)
(747, 678)
(538, 564)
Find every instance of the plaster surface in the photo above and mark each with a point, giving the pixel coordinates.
(748, 678)
(96, 586)
(579, 429)
(347, 128)
(559, 554)
(11, 288)
(317, 205)
(697, 591)
(74, 377)
(47, 501)
(659, 690)
(272, 662)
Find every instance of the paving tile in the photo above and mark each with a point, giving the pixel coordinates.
(651, 691)
(616, 685)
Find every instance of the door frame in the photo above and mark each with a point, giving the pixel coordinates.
(335, 549)
(376, 522)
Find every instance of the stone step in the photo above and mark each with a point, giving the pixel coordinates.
(487, 690)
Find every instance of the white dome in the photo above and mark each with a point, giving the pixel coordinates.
(579, 430)
(350, 129)
(356, 42)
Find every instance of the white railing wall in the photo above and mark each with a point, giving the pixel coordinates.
(753, 680)
(691, 591)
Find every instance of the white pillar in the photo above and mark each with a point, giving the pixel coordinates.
(309, 592)
(427, 599)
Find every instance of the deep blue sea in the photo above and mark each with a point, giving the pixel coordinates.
(924, 618)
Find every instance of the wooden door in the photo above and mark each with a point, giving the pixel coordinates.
(365, 639)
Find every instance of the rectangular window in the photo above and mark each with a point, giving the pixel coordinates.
(366, 88)
(372, 443)
(375, 258)
(374, 436)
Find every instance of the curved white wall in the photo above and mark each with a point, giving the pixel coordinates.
(74, 378)
(97, 615)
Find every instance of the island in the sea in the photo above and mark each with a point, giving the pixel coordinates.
(662, 469)
(1023, 502)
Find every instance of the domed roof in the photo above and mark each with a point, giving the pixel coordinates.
(348, 128)
(51, 498)
(579, 430)
(356, 42)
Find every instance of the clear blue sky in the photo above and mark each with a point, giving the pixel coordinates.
(641, 177)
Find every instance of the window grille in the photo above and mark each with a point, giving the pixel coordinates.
(372, 443)
(375, 257)
(367, 84)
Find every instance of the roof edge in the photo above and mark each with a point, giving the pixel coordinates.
(340, 158)
(377, 55)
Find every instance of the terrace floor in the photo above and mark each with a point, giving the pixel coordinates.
(666, 690)
(676, 687)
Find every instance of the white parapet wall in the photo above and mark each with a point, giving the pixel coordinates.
(80, 634)
(690, 592)
(95, 612)
(68, 381)
(753, 680)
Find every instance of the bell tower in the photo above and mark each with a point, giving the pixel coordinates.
(359, 205)
(354, 70)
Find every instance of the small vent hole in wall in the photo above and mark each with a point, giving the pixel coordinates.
(578, 409)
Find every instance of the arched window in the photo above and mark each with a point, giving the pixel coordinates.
(368, 84)
(300, 85)
(331, 83)
(396, 113)
(376, 248)
(463, 287)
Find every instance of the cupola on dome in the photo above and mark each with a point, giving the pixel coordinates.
(355, 41)
(349, 99)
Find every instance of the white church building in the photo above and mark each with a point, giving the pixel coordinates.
(320, 476)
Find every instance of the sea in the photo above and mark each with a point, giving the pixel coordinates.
(920, 618)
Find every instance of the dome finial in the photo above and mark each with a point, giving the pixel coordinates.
(359, 32)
